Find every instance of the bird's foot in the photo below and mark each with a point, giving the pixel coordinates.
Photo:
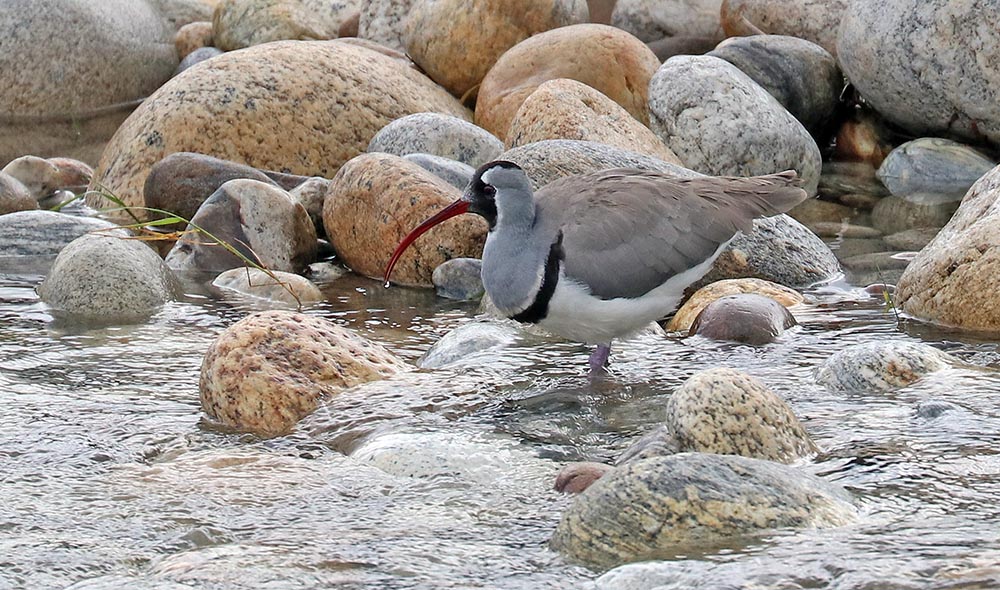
(599, 359)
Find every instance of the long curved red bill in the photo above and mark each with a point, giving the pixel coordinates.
(456, 208)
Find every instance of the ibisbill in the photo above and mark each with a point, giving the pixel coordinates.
(598, 256)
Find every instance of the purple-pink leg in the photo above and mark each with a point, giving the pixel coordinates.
(599, 358)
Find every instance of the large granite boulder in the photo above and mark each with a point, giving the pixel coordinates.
(71, 71)
(302, 107)
(929, 66)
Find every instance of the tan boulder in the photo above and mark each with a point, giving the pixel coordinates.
(812, 20)
(955, 280)
(238, 24)
(270, 369)
(376, 199)
(456, 41)
(193, 36)
(301, 107)
(685, 316)
(567, 109)
(602, 57)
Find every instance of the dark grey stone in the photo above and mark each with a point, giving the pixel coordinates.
(932, 165)
(197, 56)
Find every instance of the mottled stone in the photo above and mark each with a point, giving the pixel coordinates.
(955, 280)
(439, 135)
(311, 194)
(880, 366)
(252, 107)
(376, 200)
(747, 318)
(467, 341)
(576, 477)
(605, 58)
(685, 316)
(179, 13)
(677, 503)
(812, 20)
(191, 37)
(261, 221)
(59, 95)
(567, 109)
(273, 286)
(929, 66)
(107, 277)
(650, 20)
(779, 249)
(720, 122)
(459, 278)
(197, 56)
(238, 24)
(267, 371)
(14, 196)
(813, 211)
(383, 21)
(895, 214)
(801, 75)
(912, 239)
(552, 159)
(456, 42)
(457, 174)
(935, 166)
(43, 233)
(44, 177)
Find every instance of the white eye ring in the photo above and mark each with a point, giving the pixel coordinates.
(489, 189)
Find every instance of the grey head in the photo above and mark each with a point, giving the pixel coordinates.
(500, 192)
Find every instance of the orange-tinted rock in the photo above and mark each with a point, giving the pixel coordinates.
(602, 57)
(193, 36)
(376, 199)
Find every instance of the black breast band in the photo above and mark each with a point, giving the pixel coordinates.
(539, 308)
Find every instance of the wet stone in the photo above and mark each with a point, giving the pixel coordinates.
(747, 318)
(833, 229)
(912, 239)
(881, 366)
(457, 174)
(310, 194)
(682, 320)
(933, 166)
(878, 261)
(859, 200)
(932, 409)
(44, 177)
(577, 477)
(459, 279)
(467, 340)
(895, 214)
(277, 287)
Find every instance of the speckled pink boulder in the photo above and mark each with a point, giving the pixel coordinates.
(267, 371)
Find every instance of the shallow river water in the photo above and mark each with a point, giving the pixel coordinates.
(110, 477)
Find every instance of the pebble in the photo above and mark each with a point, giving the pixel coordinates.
(273, 286)
(468, 341)
(457, 174)
(270, 369)
(264, 223)
(931, 165)
(459, 279)
(439, 135)
(880, 366)
(912, 239)
(577, 477)
(747, 318)
(324, 272)
(43, 177)
(311, 194)
(107, 278)
(931, 409)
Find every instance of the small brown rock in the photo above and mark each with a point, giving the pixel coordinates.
(600, 11)
(193, 36)
(863, 137)
(576, 477)
(748, 318)
(602, 57)
(267, 371)
(376, 200)
(686, 315)
(567, 109)
(349, 28)
(44, 177)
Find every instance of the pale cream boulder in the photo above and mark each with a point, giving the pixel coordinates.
(270, 369)
(71, 71)
(955, 280)
(567, 109)
(456, 41)
(243, 23)
(300, 107)
(602, 57)
(376, 200)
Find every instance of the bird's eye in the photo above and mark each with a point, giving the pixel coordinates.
(489, 190)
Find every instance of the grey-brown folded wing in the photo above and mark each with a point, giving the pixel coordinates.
(625, 232)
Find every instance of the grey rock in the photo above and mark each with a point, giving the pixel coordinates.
(43, 233)
(911, 239)
(858, 200)
(907, 59)
(311, 194)
(931, 165)
(197, 56)
(261, 221)
(459, 278)
(107, 277)
(801, 75)
(932, 409)
(780, 250)
(457, 174)
(842, 178)
(748, 318)
(383, 21)
(880, 366)
(813, 20)
(552, 159)
(720, 122)
(465, 341)
(181, 12)
(650, 20)
(875, 261)
(813, 211)
(439, 135)
(895, 214)
(277, 287)
(14, 196)
(324, 272)
(70, 72)
(674, 504)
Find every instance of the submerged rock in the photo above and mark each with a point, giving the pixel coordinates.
(45, 177)
(465, 341)
(459, 278)
(267, 371)
(931, 165)
(439, 135)
(748, 318)
(674, 504)
(895, 214)
(685, 316)
(107, 277)
(277, 287)
(881, 366)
